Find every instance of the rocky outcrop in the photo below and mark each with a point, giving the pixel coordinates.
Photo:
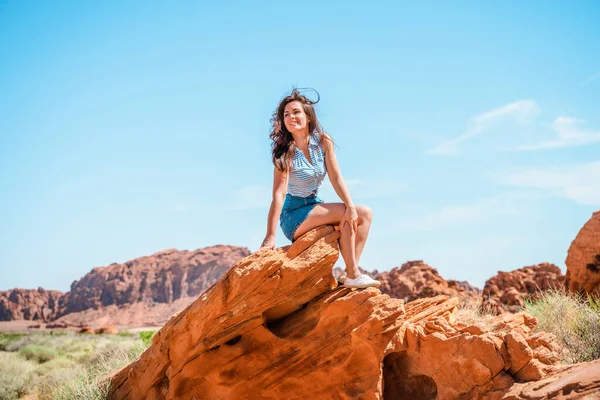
(507, 290)
(29, 304)
(415, 280)
(445, 359)
(583, 259)
(160, 278)
(86, 329)
(579, 381)
(144, 291)
(278, 326)
(107, 330)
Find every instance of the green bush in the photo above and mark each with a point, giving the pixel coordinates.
(15, 375)
(38, 353)
(67, 366)
(91, 381)
(72, 384)
(574, 319)
(146, 337)
(57, 363)
(7, 337)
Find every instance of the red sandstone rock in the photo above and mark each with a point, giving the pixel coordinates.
(160, 278)
(415, 280)
(86, 329)
(278, 326)
(507, 290)
(29, 304)
(467, 362)
(57, 325)
(583, 259)
(579, 381)
(144, 291)
(107, 330)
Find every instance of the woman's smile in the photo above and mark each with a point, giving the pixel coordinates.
(294, 116)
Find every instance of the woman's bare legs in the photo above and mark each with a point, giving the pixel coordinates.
(365, 217)
(351, 243)
(348, 250)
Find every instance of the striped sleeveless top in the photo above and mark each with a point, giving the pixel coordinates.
(306, 176)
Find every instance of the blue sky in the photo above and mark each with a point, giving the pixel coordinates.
(471, 129)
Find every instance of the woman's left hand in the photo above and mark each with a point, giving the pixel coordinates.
(350, 217)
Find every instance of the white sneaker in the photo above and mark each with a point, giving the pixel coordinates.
(361, 281)
(342, 277)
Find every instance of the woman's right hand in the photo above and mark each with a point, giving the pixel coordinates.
(269, 242)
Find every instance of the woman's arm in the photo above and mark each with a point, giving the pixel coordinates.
(280, 183)
(338, 182)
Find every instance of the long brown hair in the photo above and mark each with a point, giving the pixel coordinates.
(284, 146)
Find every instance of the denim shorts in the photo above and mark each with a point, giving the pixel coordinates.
(294, 211)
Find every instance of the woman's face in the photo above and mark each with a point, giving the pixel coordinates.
(294, 117)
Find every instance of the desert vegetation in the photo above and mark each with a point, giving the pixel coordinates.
(574, 319)
(64, 365)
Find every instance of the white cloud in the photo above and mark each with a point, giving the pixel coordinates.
(520, 111)
(569, 135)
(578, 182)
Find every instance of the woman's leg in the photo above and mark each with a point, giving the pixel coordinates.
(351, 243)
(365, 216)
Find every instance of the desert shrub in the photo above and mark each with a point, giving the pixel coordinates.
(57, 363)
(8, 337)
(89, 381)
(38, 353)
(39, 338)
(574, 319)
(73, 366)
(15, 375)
(146, 337)
(471, 311)
(69, 383)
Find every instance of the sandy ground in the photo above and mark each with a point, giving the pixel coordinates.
(29, 327)
(20, 326)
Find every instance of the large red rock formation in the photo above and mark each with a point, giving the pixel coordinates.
(583, 259)
(506, 291)
(162, 277)
(144, 291)
(29, 304)
(277, 326)
(415, 280)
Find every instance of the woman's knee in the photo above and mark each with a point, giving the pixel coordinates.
(365, 214)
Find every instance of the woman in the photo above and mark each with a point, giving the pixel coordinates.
(302, 154)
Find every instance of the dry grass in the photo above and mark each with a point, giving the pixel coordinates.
(574, 319)
(64, 366)
(39, 353)
(90, 381)
(472, 312)
(15, 375)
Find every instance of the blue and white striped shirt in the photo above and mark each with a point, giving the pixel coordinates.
(306, 176)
